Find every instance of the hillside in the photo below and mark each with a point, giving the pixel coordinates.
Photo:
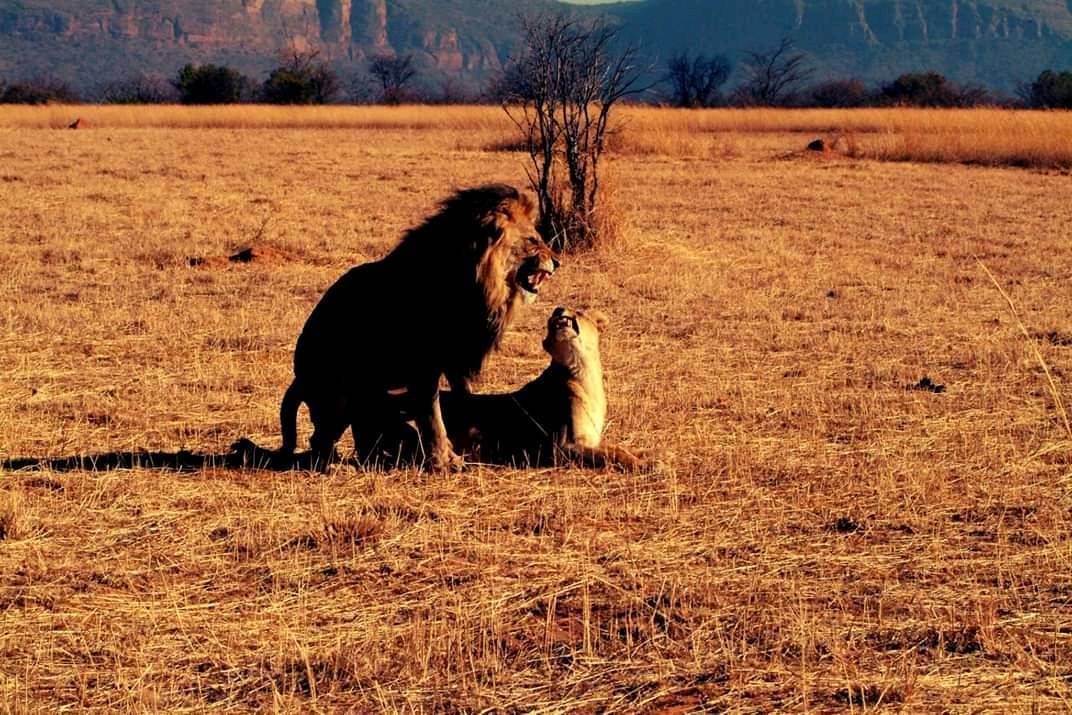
(996, 42)
(90, 41)
(992, 42)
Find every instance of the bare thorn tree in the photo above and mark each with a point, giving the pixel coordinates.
(772, 76)
(560, 94)
(392, 73)
(695, 81)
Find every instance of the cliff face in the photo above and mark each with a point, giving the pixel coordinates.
(70, 38)
(996, 42)
(872, 21)
(993, 42)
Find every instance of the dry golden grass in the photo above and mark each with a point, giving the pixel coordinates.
(254, 116)
(976, 136)
(825, 540)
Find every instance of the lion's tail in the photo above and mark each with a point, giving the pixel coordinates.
(288, 417)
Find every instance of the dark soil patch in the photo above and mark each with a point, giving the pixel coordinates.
(956, 641)
(43, 483)
(1056, 337)
(845, 525)
(253, 254)
(926, 385)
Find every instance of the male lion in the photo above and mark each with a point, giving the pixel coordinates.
(434, 306)
(557, 418)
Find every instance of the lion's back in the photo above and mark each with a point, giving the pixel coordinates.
(362, 324)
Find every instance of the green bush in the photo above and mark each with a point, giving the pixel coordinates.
(301, 79)
(838, 93)
(40, 91)
(1051, 90)
(210, 84)
(931, 90)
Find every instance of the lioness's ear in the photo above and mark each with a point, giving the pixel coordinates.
(599, 318)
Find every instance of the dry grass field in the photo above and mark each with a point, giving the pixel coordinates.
(831, 531)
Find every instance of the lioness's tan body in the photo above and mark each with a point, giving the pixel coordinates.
(557, 418)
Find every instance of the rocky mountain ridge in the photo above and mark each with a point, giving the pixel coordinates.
(995, 42)
(991, 42)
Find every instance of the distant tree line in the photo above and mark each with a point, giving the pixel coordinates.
(778, 77)
(302, 77)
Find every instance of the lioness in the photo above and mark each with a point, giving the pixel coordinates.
(434, 306)
(557, 418)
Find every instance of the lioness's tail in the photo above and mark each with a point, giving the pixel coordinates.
(288, 417)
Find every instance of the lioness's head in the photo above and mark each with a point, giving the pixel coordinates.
(517, 258)
(573, 338)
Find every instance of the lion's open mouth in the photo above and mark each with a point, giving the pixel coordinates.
(530, 279)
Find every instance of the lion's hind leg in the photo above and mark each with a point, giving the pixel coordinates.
(288, 418)
(330, 420)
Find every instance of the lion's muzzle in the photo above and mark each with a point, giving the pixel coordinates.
(534, 272)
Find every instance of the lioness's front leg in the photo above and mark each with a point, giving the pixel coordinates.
(604, 456)
(439, 453)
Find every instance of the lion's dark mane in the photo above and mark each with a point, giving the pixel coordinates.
(422, 308)
(451, 244)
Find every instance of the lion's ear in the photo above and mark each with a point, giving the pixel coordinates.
(599, 318)
(494, 226)
(527, 204)
(499, 223)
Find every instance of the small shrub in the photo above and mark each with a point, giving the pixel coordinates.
(393, 74)
(141, 89)
(696, 81)
(772, 77)
(838, 93)
(210, 84)
(39, 91)
(931, 90)
(303, 78)
(1050, 90)
(560, 93)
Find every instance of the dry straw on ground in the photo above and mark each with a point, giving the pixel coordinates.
(835, 533)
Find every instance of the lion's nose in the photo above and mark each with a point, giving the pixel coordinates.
(555, 263)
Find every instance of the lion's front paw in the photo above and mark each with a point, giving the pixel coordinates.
(446, 462)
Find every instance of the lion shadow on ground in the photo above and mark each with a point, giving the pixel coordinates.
(244, 454)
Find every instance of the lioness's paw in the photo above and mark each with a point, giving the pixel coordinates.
(649, 461)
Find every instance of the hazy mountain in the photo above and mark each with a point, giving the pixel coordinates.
(996, 42)
(90, 41)
(992, 42)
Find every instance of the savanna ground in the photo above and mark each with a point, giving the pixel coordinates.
(828, 534)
